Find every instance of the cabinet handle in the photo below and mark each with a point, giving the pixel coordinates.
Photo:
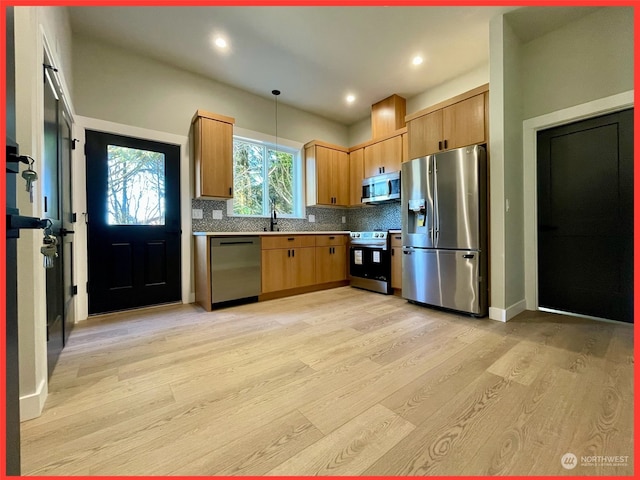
(445, 144)
(332, 238)
(398, 237)
(291, 239)
(382, 169)
(293, 253)
(440, 145)
(393, 252)
(230, 190)
(288, 253)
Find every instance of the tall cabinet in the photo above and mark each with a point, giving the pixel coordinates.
(212, 140)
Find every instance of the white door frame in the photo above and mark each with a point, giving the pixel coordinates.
(80, 194)
(530, 128)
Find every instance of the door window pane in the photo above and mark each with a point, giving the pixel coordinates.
(136, 187)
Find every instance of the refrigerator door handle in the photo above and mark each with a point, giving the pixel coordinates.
(436, 212)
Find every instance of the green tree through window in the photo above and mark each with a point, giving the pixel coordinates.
(135, 189)
(263, 177)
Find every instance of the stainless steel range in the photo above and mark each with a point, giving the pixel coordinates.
(370, 261)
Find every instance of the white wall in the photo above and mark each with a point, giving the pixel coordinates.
(588, 59)
(115, 85)
(33, 27)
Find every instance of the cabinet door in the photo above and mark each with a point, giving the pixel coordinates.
(324, 174)
(391, 154)
(303, 265)
(356, 175)
(339, 263)
(396, 267)
(405, 147)
(331, 263)
(425, 133)
(216, 158)
(341, 178)
(383, 157)
(463, 123)
(276, 271)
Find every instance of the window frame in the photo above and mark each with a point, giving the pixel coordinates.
(284, 145)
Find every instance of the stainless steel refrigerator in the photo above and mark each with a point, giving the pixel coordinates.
(444, 230)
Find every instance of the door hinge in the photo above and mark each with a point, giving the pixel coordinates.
(74, 290)
(87, 287)
(85, 149)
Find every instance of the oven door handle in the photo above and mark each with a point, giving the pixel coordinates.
(377, 247)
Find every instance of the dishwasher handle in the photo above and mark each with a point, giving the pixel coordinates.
(226, 241)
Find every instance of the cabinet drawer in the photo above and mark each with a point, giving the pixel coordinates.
(330, 240)
(288, 241)
(396, 239)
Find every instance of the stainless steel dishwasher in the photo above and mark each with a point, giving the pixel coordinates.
(235, 269)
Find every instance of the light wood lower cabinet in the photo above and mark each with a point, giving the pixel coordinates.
(396, 261)
(283, 269)
(331, 258)
(296, 261)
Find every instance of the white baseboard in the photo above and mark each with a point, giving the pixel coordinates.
(31, 405)
(504, 315)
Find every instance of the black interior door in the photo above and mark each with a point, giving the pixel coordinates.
(585, 217)
(51, 196)
(67, 229)
(133, 202)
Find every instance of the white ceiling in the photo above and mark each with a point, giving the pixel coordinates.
(316, 55)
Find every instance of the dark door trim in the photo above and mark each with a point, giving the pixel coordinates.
(613, 103)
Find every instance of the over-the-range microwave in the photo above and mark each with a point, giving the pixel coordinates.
(381, 188)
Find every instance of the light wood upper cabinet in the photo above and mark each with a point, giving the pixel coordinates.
(405, 147)
(327, 175)
(212, 139)
(383, 157)
(463, 123)
(459, 123)
(356, 175)
(425, 135)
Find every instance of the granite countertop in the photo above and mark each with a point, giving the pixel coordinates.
(241, 234)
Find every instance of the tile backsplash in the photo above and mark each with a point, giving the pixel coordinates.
(375, 217)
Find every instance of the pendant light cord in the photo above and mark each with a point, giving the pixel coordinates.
(275, 94)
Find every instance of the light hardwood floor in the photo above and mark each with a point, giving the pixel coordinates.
(337, 382)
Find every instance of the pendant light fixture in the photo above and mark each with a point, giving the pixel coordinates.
(275, 96)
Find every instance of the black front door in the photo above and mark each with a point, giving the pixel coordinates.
(133, 205)
(585, 217)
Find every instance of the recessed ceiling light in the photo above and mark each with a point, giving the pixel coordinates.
(351, 98)
(220, 42)
(417, 60)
